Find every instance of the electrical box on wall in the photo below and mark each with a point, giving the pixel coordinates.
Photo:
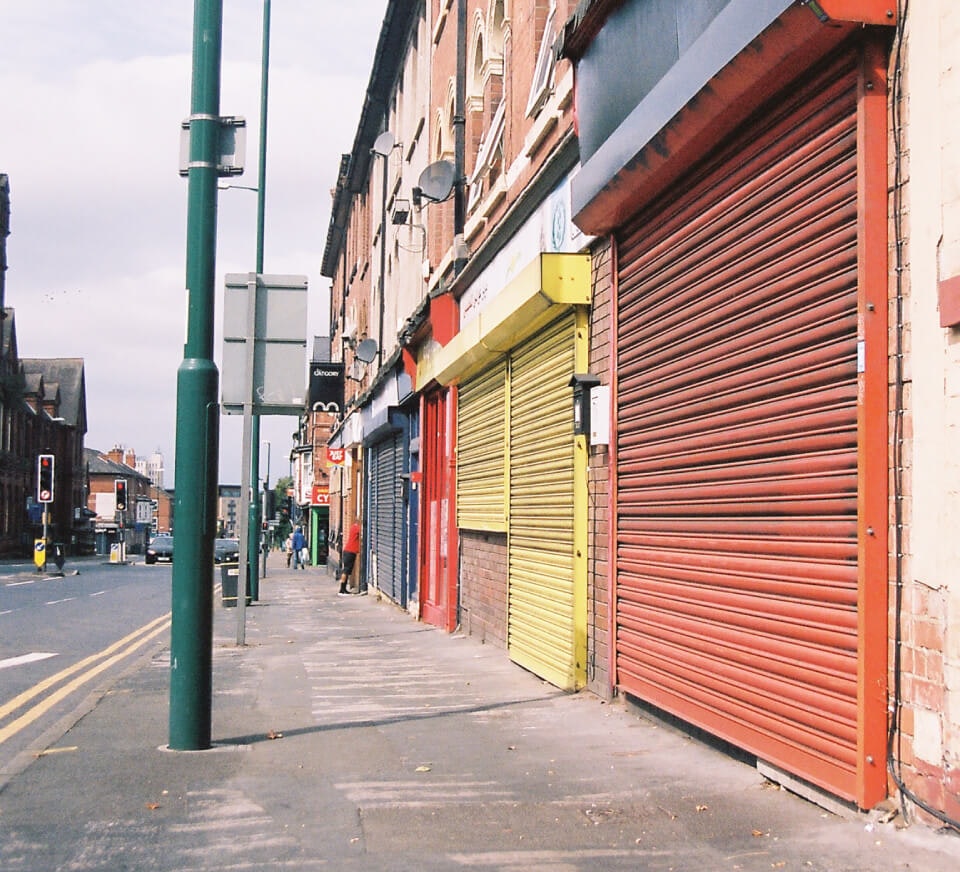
(582, 382)
(600, 415)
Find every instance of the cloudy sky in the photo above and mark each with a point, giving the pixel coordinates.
(93, 94)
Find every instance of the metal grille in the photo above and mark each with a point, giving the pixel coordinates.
(386, 509)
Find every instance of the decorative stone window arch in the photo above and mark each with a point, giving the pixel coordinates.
(497, 19)
(542, 85)
(444, 142)
(439, 143)
(477, 58)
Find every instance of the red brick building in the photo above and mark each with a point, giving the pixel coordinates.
(132, 524)
(729, 256)
(43, 410)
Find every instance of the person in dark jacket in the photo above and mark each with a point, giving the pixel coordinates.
(348, 557)
(299, 543)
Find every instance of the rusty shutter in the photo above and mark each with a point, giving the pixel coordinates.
(736, 586)
(541, 596)
(481, 451)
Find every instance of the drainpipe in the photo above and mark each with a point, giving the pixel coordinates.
(459, 143)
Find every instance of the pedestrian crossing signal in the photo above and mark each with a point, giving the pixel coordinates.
(45, 478)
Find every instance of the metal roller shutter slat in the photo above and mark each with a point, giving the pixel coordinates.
(737, 441)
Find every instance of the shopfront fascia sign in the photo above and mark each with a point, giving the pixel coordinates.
(326, 387)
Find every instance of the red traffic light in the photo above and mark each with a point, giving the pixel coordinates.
(45, 478)
(120, 492)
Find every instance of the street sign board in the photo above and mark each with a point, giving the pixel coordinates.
(269, 311)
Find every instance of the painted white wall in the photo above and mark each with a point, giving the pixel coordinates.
(932, 354)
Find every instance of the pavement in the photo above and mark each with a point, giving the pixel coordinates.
(348, 736)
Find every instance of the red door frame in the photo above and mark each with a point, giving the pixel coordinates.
(872, 594)
(440, 552)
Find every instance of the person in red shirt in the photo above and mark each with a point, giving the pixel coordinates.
(348, 557)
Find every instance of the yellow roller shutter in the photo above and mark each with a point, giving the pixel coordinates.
(481, 451)
(541, 621)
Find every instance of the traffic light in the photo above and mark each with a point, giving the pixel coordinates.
(120, 492)
(45, 478)
(269, 505)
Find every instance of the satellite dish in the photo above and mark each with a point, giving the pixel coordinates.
(436, 181)
(366, 350)
(384, 143)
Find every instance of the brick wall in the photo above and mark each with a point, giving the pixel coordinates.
(599, 679)
(483, 586)
(924, 417)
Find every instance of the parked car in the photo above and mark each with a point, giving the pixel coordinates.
(160, 550)
(226, 551)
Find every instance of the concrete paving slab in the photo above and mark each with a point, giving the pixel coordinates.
(350, 737)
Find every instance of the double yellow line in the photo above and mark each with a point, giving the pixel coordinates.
(107, 658)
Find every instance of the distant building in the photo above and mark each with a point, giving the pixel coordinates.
(309, 457)
(151, 467)
(43, 410)
(163, 509)
(228, 511)
(134, 524)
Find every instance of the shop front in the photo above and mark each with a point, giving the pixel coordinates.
(516, 513)
(749, 229)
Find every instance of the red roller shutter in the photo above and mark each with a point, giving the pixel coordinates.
(737, 483)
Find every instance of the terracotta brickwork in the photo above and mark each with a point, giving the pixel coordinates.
(599, 678)
(506, 72)
(483, 580)
(924, 234)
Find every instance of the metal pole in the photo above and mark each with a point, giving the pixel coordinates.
(253, 519)
(264, 505)
(191, 634)
(383, 252)
(459, 142)
(46, 511)
(244, 568)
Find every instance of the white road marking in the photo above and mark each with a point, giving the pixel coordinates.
(26, 658)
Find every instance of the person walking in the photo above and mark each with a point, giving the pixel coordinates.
(299, 542)
(348, 557)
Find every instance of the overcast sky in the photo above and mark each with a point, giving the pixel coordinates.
(93, 94)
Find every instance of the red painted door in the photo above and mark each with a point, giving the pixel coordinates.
(438, 561)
